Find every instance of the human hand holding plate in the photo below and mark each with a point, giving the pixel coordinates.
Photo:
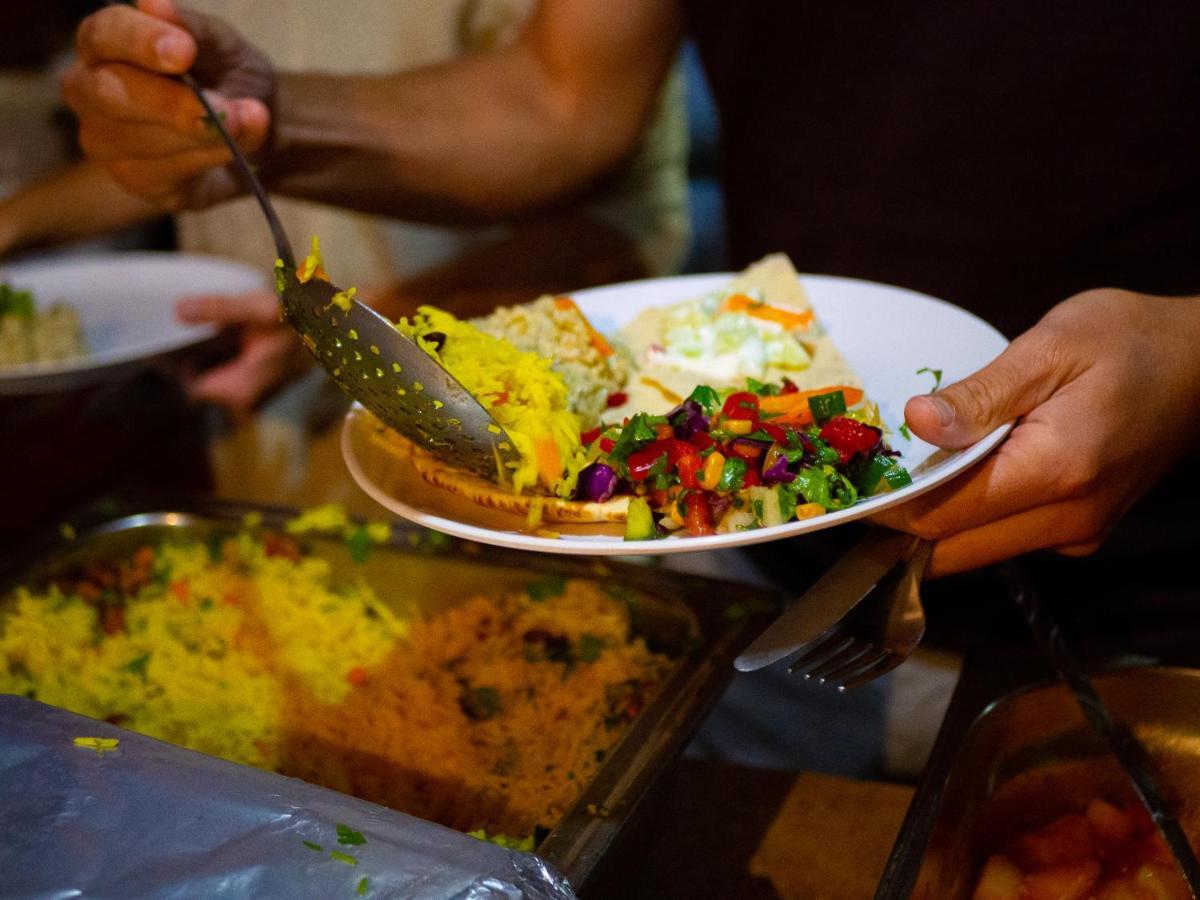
(1103, 391)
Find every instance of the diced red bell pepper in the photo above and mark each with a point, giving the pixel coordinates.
(617, 398)
(687, 467)
(752, 478)
(698, 515)
(606, 444)
(590, 435)
(741, 405)
(777, 432)
(702, 440)
(849, 436)
(642, 461)
(789, 387)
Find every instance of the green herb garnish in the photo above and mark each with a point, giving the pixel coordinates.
(348, 837)
(733, 474)
(137, 666)
(359, 544)
(589, 647)
(343, 857)
(904, 432)
(480, 703)
(15, 303)
(709, 399)
(311, 846)
(363, 884)
(937, 376)
(544, 588)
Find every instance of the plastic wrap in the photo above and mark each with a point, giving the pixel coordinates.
(149, 819)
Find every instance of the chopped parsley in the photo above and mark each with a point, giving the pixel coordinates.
(359, 542)
(545, 588)
(589, 647)
(343, 857)
(480, 703)
(138, 665)
(315, 847)
(348, 837)
(363, 884)
(904, 432)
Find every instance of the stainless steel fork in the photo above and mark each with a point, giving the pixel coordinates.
(877, 635)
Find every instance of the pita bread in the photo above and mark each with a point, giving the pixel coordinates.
(493, 496)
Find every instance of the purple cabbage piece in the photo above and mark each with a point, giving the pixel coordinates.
(686, 419)
(597, 482)
(777, 472)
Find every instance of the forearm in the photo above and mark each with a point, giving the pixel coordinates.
(485, 137)
(79, 202)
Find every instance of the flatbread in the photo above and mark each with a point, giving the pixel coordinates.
(657, 387)
(493, 496)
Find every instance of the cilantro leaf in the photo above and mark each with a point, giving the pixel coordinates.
(137, 666)
(363, 884)
(904, 432)
(348, 837)
(707, 398)
(544, 588)
(316, 847)
(937, 376)
(358, 542)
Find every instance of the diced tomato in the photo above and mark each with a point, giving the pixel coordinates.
(617, 398)
(741, 405)
(1067, 839)
(687, 467)
(180, 590)
(357, 675)
(590, 435)
(849, 436)
(275, 544)
(642, 462)
(778, 433)
(698, 518)
(663, 432)
(751, 478)
(659, 498)
(702, 440)
(606, 444)
(114, 619)
(1110, 827)
(789, 387)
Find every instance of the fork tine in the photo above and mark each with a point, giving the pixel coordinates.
(881, 668)
(819, 653)
(848, 657)
(853, 668)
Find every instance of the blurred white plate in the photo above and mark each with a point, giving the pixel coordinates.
(126, 303)
(886, 333)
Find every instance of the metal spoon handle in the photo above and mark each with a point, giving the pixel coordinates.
(1129, 751)
(282, 246)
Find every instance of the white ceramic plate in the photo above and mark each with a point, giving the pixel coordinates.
(126, 303)
(886, 333)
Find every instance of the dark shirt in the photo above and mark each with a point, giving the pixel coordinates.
(1000, 155)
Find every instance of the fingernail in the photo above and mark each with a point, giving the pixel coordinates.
(943, 410)
(171, 49)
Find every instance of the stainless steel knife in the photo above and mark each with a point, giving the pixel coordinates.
(827, 601)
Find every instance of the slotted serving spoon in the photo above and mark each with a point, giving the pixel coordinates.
(384, 370)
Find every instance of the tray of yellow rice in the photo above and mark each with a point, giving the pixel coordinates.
(527, 699)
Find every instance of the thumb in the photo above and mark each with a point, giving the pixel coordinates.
(254, 308)
(1016, 381)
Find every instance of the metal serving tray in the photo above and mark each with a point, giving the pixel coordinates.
(1008, 759)
(701, 622)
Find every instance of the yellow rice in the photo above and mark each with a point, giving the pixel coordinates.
(263, 659)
